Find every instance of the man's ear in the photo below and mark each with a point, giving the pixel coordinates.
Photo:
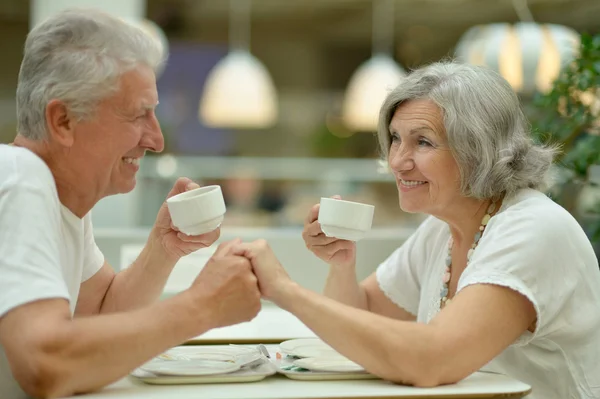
(61, 126)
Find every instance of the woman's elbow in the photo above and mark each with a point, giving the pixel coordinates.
(429, 374)
(423, 367)
(421, 377)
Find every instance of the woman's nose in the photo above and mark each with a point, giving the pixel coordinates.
(401, 160)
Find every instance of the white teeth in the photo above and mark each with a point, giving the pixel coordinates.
(412, 183)
(134, 161)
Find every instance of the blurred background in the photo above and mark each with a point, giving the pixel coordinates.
(276, 101)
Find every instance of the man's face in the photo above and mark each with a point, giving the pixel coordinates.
(110, 145)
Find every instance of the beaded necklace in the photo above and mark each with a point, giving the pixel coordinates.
(448, 273)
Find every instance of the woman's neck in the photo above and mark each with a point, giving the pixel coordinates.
(465, 218)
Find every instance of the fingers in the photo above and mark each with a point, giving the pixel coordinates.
(242, 249)
(334, 247)
(313, 229)
(182, 185)
(207, 239)
(313, 214)
(322, 240)
(251, 250)
(225, 248)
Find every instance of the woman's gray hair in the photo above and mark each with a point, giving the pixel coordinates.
(77, 56)
(488, 134)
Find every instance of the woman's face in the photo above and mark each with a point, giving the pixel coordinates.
(426, 173)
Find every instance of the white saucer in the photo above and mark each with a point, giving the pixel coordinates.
(189, 367)
(343, 233)
(307, 347)
(337, 364)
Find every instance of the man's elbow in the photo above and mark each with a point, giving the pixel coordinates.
(42, 379)
(44, 372)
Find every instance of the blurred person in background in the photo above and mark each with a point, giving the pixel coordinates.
(498, 277)
(86, 98)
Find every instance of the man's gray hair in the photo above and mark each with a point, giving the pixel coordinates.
(488, 134)
(77, 56)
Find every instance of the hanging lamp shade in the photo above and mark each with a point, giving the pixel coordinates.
(528, 55)
(367, 90)
(239, 93)
(374, 79)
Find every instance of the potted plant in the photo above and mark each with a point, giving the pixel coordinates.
(569, 116)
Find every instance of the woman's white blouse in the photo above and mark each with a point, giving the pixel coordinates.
(535, 247)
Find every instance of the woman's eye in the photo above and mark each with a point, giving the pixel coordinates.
(424, 143)
(394, 137)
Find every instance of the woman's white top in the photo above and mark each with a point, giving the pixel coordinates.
(535, 247)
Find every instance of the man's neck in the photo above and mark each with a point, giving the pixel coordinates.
(72, 195)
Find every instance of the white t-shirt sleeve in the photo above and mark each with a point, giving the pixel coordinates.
(530, 254)
(30, 266)
(400, 276)
(93, 259)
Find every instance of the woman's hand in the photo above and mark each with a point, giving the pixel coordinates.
(273, 280)
(334, 251)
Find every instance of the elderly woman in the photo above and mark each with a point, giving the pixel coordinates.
(498, 278)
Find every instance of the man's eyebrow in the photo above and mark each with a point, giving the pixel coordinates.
(149, 107)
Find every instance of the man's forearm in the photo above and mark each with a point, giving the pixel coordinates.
(343, 286)
(89, 353)
(142, 282)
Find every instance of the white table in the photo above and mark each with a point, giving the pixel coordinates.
(272, 325)
(478, 385)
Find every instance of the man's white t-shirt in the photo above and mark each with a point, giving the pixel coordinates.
(45, 250)
(535, 247)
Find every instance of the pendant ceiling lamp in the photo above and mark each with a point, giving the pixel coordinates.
(239, 92)
(528, 55)
(374, 79)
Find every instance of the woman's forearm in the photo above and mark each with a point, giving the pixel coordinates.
(399, 351)
(343, 286)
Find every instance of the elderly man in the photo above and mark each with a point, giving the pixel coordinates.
(68, 324)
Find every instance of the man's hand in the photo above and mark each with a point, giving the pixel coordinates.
(273, 280)
(175, 243)
(227, 288)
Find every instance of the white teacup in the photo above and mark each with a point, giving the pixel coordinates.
(345, 219)
(197, 211)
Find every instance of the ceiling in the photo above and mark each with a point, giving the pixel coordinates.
(424, 29)
(340, 30)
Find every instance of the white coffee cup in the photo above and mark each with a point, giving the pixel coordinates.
(345, 219)
(197, 211)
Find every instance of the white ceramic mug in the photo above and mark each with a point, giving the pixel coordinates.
(345, 219)
(197, 211)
